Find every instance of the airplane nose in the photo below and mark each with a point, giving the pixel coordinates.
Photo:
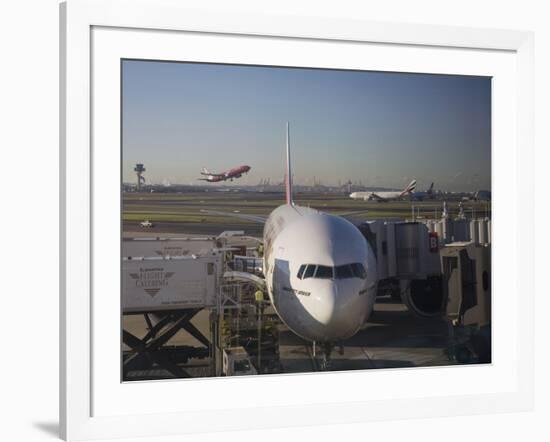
(325, 307)
(337, 310)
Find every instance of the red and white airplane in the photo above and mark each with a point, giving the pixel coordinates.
(212, 177)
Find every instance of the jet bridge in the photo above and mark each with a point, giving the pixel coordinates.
(408, 256)
(467, 300)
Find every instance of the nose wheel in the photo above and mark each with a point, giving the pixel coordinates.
(326, 362)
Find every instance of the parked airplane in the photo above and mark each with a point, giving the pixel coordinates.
(385, 195)
(426, 195)
(320, 271)
(212, 177)
(482, 195)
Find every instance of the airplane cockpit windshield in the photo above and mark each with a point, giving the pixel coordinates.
(324, 272)
(346, 271)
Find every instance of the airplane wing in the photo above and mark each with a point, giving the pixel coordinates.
(255, 218)
(205, 171)
(375, 196)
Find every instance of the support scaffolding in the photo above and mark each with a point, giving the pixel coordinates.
(151, 351)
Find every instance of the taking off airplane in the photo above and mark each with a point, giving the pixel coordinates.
(320, 271)
(212, 177)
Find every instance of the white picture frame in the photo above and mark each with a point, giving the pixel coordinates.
(83, 410)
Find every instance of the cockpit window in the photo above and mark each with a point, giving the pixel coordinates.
(310, 270)
(324, 272)
(359, 270)
(344, 272)
(353, 270)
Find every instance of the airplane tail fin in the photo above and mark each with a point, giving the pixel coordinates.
(205, 171)
(410, 188)
(288, 174)
(431, 189)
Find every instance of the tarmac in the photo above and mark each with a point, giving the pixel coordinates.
(393, 337)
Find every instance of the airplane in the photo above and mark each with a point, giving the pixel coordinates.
(212, 177)
(385, 195)
(428, 194)
(320, 271)
(480, 195)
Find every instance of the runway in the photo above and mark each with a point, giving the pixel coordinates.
(185, 212)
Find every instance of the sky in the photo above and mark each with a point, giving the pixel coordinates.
(375, 128)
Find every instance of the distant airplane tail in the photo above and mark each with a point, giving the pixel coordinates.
(288, 174)
(205, 171)
(410, 188)
(431, 189)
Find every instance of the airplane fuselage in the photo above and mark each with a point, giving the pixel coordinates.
(320, 273)
(236, 172)
(384, 196)
(378, 196)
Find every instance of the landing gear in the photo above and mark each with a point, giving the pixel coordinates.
(326, 361)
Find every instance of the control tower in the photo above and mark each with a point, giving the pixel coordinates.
(139, 169)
